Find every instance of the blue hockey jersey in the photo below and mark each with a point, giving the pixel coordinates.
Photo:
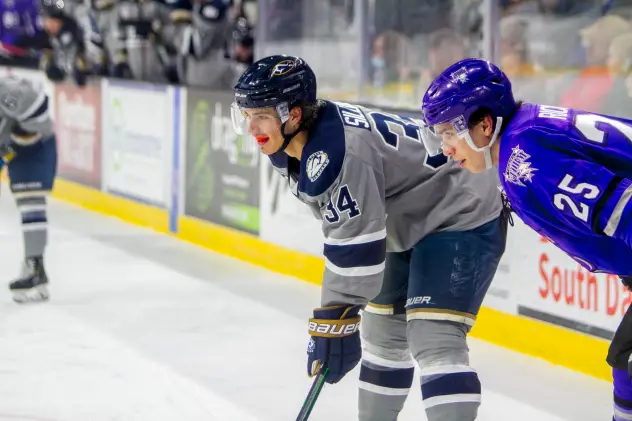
(568, 175)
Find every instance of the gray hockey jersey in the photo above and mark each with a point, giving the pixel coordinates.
(367, 175)
(24, 116)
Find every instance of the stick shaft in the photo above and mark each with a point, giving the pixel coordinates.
(310, 400)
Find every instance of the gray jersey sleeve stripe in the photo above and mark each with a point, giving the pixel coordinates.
(615, 218)
(355, 271)
(32, 109)
(356, 255)
(38, 116)
(360, 239)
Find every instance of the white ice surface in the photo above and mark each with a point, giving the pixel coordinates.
(142, 326)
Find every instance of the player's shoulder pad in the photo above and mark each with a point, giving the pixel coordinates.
(21, 98)
(324, 154)
(279, 160)
(11, 95)
(542, 131)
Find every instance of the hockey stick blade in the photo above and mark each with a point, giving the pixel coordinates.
(314, 391)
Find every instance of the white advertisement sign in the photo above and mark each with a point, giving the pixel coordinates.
(285, 220)
(137, 141)
(555, 288)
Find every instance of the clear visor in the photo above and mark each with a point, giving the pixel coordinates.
(447, 135)
(432, 142)
(241, 120)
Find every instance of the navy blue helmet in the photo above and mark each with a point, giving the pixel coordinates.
(274, 80)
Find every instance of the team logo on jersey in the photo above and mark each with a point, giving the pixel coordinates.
(316, 164)
(518, 169)
(283, 67)
(9, 101)
(459, 76)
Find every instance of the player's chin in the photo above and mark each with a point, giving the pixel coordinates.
(267, 149)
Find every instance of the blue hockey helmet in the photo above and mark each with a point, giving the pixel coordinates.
(278, 81)
(461, 90)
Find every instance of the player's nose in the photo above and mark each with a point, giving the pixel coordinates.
(252, 130)
(448, 150)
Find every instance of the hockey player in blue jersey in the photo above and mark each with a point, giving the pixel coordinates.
(566, 173)
(420, 275)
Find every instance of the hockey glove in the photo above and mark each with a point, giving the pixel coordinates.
(53, 72)
(80, 71)
(335, 341)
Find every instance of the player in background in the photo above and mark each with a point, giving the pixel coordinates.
(28, 149)
(413, 241)
(75, 46)
(567, 174)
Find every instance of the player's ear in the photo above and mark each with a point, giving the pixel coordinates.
(296, 114)
(487, 125)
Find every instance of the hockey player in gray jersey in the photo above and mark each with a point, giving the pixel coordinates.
(28, 149)
(414, 242)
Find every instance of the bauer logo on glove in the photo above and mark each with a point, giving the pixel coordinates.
(334, 328)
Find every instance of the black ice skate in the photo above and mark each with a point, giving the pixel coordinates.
(32, 285)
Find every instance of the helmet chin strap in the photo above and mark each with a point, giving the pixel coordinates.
(487, 150)
(287, 138)
(283, 110)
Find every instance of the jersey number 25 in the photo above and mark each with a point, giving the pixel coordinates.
(588, 125)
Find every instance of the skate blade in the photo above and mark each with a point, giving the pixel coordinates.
(31, 295)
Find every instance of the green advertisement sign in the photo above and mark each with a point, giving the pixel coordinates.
(222, 168)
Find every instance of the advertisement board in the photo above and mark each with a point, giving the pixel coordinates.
(78, 130)
(285, 220)
(554, 288)
(137, 141)
(222, 168)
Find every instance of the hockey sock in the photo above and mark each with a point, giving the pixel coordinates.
(384, 387)
(32, 208)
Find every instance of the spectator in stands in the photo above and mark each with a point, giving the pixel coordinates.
(618, 101)
(202, 52)
(514, 47)
(104, 12)
(241, 45)
(145, 37)
(445, 47)
(588, 91)
(388, 58)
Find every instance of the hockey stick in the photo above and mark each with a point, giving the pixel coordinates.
(314, 391)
